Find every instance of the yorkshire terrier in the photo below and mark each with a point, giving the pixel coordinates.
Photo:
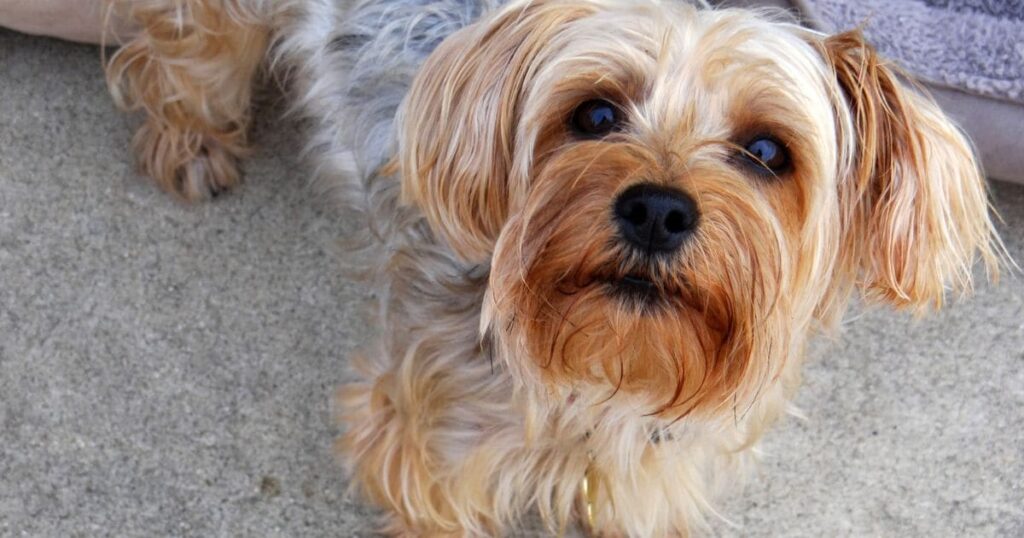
(603, 231)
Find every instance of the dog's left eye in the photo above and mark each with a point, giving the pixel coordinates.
(596, 118)
(768, 154)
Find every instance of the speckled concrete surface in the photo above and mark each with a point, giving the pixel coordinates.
(166, 370)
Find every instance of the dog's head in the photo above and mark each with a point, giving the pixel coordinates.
(670, 199)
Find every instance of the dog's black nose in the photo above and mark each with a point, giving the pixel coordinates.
(655, 219)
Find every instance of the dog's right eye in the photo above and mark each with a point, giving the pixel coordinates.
(596, 118)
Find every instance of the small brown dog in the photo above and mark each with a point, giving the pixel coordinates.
(603, 230)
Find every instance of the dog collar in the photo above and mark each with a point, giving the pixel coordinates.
(593, 479)
(589, 486)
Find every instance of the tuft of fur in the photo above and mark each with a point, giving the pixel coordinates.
(190, 66)
(919, 211)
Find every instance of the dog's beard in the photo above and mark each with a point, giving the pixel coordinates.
(698, 331)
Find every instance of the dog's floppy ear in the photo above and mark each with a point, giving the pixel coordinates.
(458, 124)
(914, 203)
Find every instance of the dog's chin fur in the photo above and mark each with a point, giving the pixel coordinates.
(522, 345)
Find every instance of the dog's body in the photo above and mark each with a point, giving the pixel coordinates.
(531, 358)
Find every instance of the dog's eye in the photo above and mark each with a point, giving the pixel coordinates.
(596, 118)
(767, 153)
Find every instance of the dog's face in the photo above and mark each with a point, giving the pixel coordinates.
(670, 199)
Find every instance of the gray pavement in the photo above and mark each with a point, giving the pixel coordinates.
(166, 370)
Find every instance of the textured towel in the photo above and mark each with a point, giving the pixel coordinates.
(975, 46)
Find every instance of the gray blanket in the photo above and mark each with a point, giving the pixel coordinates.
(975, 46)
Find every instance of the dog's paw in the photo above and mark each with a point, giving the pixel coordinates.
(189, 166)
(207, 175)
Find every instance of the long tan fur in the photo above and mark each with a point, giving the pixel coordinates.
(190, 66)
(917, 207)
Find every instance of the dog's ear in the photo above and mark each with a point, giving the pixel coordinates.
(458, 125)
(914, 204)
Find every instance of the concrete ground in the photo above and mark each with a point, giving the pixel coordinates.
(166, 370)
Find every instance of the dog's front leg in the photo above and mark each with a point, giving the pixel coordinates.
(190, 67)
